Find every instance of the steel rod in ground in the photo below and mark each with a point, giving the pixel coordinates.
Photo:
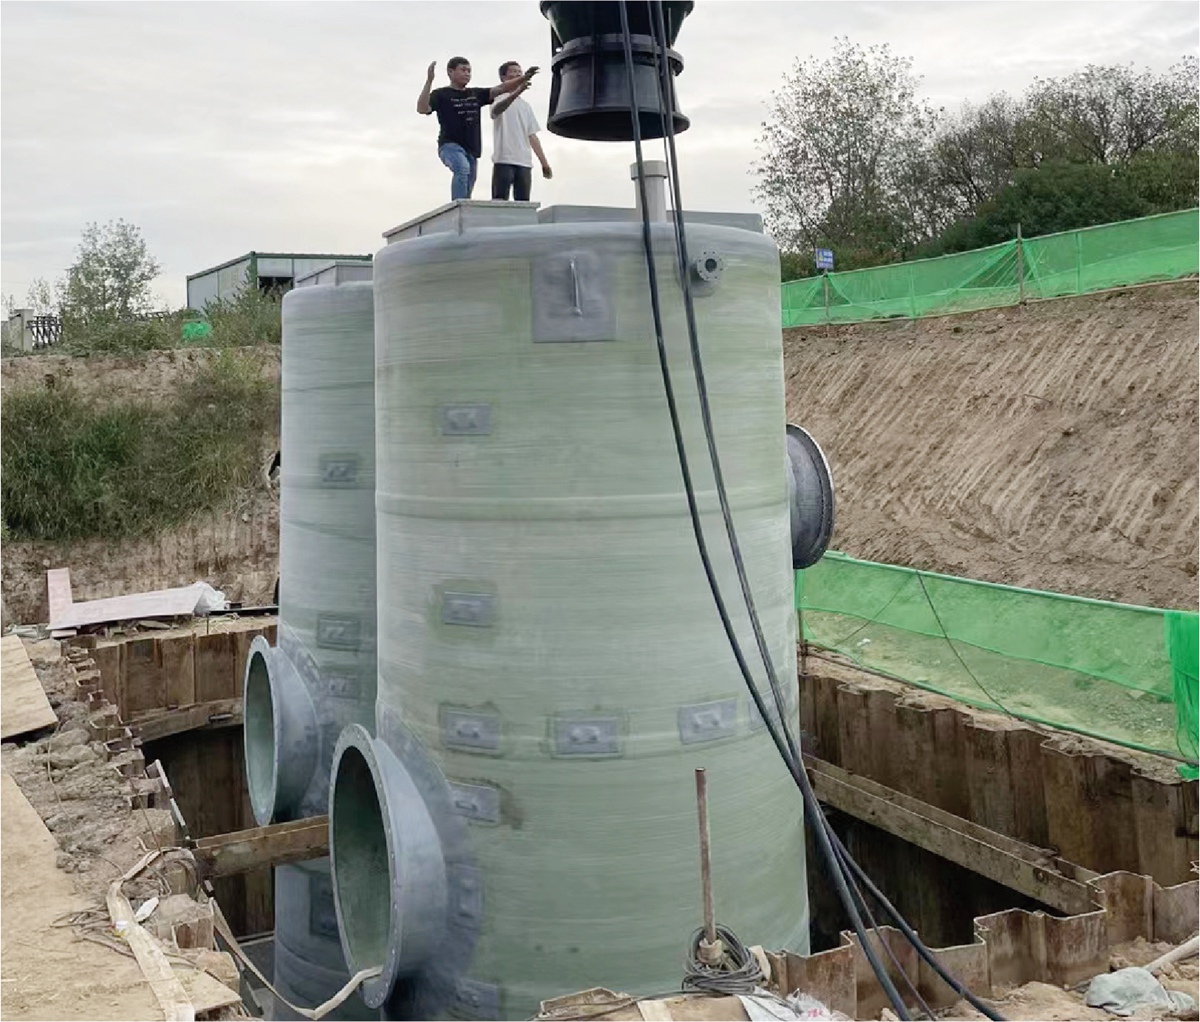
(710, 923)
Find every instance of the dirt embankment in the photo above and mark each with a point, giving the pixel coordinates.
(1052, 446)
(236, 549)
(147, 376)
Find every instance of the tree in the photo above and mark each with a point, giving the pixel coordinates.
(976, 151)
(1111, 114)
(1057, 196)
(109, 282)
(840, 140)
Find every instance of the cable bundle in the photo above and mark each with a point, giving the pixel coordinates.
(843, 871)
(736, 971)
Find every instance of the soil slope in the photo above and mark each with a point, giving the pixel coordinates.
(1052, 446)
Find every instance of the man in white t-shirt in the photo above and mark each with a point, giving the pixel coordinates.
(515, 141)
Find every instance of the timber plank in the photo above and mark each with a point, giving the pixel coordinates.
(143, 686)
(246, 850)
(1002, 859)
(177, 654)
(216, 714)
(214, 666)
(23, 703)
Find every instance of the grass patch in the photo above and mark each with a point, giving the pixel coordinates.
(72, 468)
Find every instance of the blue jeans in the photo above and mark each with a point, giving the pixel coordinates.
(462, 165)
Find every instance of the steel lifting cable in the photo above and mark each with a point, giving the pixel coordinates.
(837, 858)
(811, 807)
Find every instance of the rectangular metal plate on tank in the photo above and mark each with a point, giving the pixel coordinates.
(572, 298)
(338, 631)
(473, 999)
(340, 271)
(465, 884)
(567, 214)
(470, 731)
(465, 420)
(706, 722)
(477, 802)
(464, 215)
(474, 610)
(587, 736)
(338, 469)
(343, 682)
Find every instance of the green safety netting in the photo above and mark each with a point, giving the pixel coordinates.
(1122, 673)
(1155, 248)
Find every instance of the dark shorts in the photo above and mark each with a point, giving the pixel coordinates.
(508, 176)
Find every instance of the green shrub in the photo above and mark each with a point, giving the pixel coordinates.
(72, 468)
(251, 317)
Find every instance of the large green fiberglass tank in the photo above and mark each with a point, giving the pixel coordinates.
(320, 676)
(547, 639)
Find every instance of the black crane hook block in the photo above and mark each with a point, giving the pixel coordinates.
(589, 85)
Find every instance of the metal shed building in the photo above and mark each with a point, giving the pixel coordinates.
(269, 270)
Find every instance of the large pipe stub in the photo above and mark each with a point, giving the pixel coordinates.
(407, 893)
(589, 88)
(810, 497)
(279, 733)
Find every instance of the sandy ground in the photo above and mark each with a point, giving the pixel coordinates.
(1042, 1001)
(47, 970)
(1052, 446)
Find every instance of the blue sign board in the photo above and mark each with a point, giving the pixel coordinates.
(824, 258)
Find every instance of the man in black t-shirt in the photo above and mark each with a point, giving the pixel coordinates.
(457, 108)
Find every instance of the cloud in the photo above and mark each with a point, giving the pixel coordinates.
(221, 128)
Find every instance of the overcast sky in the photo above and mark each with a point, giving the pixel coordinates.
(224, 127)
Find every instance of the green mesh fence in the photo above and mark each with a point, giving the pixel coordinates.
(1163, 247)
(1118, 672)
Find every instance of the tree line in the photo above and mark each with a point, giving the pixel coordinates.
(853, 159)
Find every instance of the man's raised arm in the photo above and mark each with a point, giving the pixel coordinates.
(507, 101)
(423, 106)
(514, 85)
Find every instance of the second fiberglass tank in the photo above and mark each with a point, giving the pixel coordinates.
(546, 634)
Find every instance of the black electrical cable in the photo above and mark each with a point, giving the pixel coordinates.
(658, 33)
(737, 972)
(842, 861)
(902, 925)
(865, 909)
(811, 806)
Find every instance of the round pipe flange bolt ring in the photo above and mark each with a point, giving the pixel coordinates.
(279, 733)
(708, 266)
(390, 884)
(810, 496)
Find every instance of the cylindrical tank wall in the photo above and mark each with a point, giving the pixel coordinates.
(546, 631)
(327, 509)
(321, 676)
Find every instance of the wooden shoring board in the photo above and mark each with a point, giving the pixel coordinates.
(1015, 864)
(246, 850)
(23, 703)
(218, 713)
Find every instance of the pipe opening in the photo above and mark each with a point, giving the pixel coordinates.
(359, 847)
(259, 725)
